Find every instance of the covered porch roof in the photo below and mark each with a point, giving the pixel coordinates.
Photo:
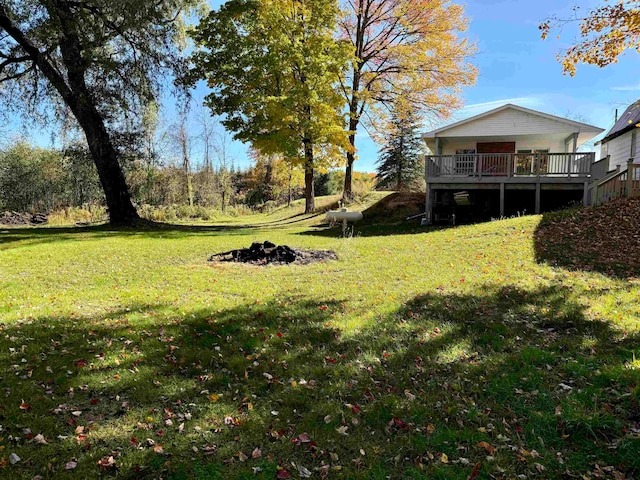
(514, 123)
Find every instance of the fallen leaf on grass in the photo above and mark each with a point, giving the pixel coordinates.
(303, 471)
(70, 465)
(106, 462)
(490, 449)
(476, 471)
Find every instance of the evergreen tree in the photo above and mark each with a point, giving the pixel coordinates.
(400, 164)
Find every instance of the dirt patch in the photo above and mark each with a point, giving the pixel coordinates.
(267, 252)
(18, 218)
(604, 239)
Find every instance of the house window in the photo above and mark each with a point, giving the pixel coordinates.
(633, 144)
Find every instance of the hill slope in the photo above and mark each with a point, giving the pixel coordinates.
(604, 238)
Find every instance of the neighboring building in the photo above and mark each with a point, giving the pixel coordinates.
(508, 161)
(621, 142)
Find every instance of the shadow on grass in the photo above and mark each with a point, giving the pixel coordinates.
(364, 230)
(245, 391)
(35, 236)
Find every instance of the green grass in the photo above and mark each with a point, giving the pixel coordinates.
(398, 360)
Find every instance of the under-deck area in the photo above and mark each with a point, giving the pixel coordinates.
(467, 205)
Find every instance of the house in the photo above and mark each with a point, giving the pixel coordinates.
(621, 143)
(507, 161)
(621, 151)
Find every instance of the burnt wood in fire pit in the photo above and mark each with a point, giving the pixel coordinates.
(267, 252)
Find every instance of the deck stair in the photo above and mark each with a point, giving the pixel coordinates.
(619, 184)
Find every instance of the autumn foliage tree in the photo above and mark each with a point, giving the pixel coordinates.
(273, 67)
(605, 33)
(409, 54)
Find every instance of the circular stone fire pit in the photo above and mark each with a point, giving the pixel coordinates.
(267, 252)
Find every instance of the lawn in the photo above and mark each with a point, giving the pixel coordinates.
(444, 353)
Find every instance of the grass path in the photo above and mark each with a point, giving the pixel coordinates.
(419, 354)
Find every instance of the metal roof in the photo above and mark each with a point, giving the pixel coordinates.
(627, 121)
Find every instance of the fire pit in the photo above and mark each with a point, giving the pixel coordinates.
(267, 252)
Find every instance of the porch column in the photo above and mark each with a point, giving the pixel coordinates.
(575, 142)
(501, 200)
(585, 195)
(438, 146)
(537, 198)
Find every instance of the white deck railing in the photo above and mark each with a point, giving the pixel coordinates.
(510, 165)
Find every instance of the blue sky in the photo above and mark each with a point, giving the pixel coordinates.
(515, 66)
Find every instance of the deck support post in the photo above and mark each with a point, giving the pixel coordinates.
(502, 200)
(629, 177)
(537, 198)
(585, 195)
(429, 204)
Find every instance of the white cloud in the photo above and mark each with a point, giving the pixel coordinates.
(521, 101)
(627, 88)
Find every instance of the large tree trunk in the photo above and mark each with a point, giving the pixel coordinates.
(347, 192)
(309, 194)
(121, 209)
(76, 96)
(268, 179)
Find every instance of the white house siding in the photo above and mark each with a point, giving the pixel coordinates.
(451, 145)
(512, 121)
(619, 150)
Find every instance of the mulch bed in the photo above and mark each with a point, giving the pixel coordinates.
(267, 252)
(18, 218)
(604, 239)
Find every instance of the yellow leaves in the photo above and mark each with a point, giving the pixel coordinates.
(214, 397)
(605, 33)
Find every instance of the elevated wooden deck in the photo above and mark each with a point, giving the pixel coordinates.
(496, 168)
(513, 171)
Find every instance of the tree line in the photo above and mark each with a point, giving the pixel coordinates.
(44, 180)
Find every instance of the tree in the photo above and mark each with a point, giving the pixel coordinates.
(408, 55)
(182, 144)
(31, 179)
(224, 174)
(605, 33)
(102, 60)
(400, 165)
(273, 66)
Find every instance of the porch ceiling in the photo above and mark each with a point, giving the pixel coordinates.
(541, 139)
